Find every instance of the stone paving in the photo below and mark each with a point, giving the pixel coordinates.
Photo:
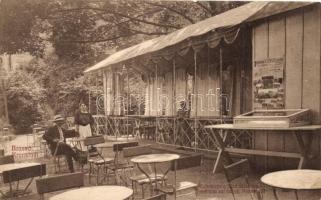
(212, 186)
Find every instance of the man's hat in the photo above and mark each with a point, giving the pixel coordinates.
(58, 118)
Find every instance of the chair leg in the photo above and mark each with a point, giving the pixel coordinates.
(133, 186)
(248, 185)
(97, 183)
(55, 164)
(231, 188)
(107, 175)
(196, 192)
(143, 192)
(275, 195)
(90, 173)
(296, 195)
(258, 194)
(58, 164)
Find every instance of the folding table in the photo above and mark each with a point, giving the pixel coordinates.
(222, 131)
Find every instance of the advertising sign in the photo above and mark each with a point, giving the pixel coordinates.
(268, 84)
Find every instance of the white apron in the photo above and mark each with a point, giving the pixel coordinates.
(85, 131)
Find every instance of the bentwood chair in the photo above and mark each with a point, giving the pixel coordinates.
(119, 164)
(16, 175)
(239, 169)
(182, 163)
(97, 163)
(140, 178)
(60, 182)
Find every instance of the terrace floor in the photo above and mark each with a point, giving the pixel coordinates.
(212, 186)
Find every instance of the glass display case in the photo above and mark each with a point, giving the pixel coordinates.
(284, 118)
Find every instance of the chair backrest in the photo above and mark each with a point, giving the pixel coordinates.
(157, 197)
(187, 162)
(120, 146)
(93, 152)
(93, 140)
(6, 159)
(136, 151)
(60, 182)
(237, 169)
(24, 173)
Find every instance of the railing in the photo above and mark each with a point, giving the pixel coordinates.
(179, 132)
(187, 132)
(100, 126)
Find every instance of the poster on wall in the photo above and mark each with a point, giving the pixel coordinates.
(268, 84)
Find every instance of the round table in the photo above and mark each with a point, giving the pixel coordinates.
(12, 166)
(299, 179)
(153, 159)
(96, 193)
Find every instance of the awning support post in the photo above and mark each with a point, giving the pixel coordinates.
(196, 100)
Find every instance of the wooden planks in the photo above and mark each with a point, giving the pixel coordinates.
(260, 52)
(311, 62)
(296, 37)
(294, 53)
(276, 50)
(293, 73)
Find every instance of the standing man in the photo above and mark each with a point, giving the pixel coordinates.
(56, 139)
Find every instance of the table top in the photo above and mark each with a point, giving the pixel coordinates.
(300, 179)
(109, 192)
(155, 158)
(108, 144)
(296, 128)
(12, 166)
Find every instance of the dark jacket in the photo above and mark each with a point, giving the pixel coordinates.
(84, 119)
(53, 133)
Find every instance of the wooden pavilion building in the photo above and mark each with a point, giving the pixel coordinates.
(262, 55)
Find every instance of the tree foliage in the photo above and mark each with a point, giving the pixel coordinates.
(25, 101)
(67, 36)
(17, 19)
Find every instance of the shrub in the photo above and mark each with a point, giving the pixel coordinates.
(25, 97)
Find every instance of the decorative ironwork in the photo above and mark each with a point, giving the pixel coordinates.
(179, 132)
(187, 132)
(100, 126)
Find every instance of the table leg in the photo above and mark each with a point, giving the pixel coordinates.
(305, 148)
(220, 139)
(146, 174)
(218, 160)
(155, 170)
(275, 195)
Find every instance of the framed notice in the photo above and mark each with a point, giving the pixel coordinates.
(268, 84)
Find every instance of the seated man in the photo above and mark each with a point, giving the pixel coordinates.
(56, 136)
